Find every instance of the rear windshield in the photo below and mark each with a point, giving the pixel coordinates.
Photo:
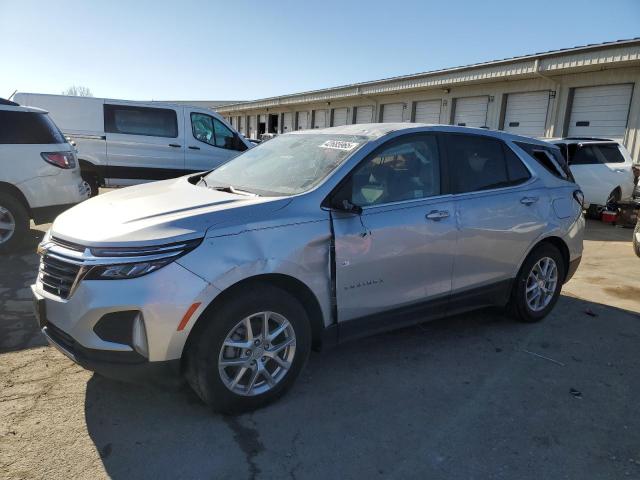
(28, 128)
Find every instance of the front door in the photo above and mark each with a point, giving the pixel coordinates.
(398, 253)
(143, 143)
(210, 143)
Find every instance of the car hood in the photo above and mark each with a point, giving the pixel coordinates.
(157, 213)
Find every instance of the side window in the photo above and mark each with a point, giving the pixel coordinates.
(609, 153)
(224, 137)
(517, 171)
(405, 170)
(550, 159)
(477, 163)
(202, 128)
(585, 156)
(153, 122)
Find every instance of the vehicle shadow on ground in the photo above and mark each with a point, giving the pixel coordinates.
(18, 270)
(603, 232)
(461, 397)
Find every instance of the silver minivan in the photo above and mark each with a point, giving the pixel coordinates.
(231, 277)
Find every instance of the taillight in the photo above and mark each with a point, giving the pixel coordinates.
(60, 159)
(579, 197)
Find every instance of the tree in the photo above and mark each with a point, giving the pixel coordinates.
(78, 91)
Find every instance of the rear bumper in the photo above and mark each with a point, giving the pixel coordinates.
(573, 266)
(123, 366)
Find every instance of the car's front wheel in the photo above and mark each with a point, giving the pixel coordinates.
(250, 351)
(538, 284)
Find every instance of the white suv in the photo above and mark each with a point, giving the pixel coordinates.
(39, 174)
(602, 168)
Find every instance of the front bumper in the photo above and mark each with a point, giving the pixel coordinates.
(161, 298)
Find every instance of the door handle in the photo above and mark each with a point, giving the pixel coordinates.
(528, 200)
(437, 215)
(194, 148)
(175, 145)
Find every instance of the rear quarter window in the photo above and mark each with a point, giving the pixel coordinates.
(28, 128)
(550, 158)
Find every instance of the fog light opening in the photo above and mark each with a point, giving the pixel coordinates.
(140, 343)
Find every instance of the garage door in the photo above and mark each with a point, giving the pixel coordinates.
(339, 116)
(287, 122)
(600, 111)
(471, 111)
(364, 114)
(526, 113)
(242, 130)
(252, 126)
(303, 120)
(392, 112)
(319, 118)
(428, 111)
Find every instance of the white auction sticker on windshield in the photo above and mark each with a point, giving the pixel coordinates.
(339, 145)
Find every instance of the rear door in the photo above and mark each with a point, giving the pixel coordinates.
(210, 142)
(500, 211)
(143, 143)
(398, 253)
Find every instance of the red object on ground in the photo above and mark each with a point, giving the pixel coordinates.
(609, 216)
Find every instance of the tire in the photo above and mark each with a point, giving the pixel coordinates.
(636, 242)
(203, 371)
(91, 178)
(14, 219)
(519, 305)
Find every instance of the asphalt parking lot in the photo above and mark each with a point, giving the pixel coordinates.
(474, 396)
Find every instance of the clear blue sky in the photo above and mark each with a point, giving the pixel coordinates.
(208, 50)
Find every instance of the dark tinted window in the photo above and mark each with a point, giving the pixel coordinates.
(405, 170)
(595, 154)
(477, 163)
(518, 172)
(550, 158)
(28, 127)
(153, 122)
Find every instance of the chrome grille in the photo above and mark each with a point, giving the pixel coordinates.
(58, 277)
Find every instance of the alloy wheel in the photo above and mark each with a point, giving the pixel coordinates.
(257, 353)
(7, 225)
(541, 284)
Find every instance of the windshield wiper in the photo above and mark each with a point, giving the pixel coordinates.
(232, 189)
(203, 181)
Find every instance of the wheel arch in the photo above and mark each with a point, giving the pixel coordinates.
(17, 193)
(292, 285)
(89, 166)
(557, 242)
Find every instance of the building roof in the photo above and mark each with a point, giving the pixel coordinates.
(553, 62)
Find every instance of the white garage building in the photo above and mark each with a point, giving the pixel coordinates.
(588, 91)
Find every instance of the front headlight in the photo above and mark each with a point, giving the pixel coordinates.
(122, 263)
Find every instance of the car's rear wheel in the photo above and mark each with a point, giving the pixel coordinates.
(250, 351)
(91, 179)
(14, 222)
(636, 240)
(538, 284)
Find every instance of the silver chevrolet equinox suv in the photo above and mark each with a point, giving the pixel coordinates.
(230, 277)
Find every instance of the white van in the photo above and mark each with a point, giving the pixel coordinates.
(123, 142)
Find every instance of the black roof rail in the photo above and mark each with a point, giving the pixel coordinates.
(595, 139)
(8, 102)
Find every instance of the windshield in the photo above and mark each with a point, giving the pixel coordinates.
(285, 165)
